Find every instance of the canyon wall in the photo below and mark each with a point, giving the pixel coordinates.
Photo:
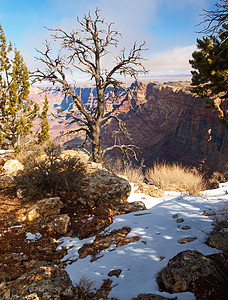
(173, 125)
(166, 122)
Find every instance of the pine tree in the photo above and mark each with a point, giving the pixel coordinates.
(17, 111)
(43, 134)
(210, 79)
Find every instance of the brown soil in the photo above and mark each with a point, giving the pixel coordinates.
(17, 254)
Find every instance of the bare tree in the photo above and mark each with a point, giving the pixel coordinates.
(216, 20)
(84, 50)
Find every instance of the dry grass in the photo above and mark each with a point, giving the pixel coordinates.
(175, 177)
(132, 173)
(84, 287)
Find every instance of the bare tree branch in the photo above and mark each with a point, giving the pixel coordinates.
(83, 50)
(215, 19)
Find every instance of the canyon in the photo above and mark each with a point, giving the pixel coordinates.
(165, 120)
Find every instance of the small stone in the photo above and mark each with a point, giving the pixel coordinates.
(162, 257)
(186, 227)
(59, 225)
(186, 240)
(175, 216)
(116, 273)
(32, 296)
(180, 220)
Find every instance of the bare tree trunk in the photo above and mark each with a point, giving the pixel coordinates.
(97, 155)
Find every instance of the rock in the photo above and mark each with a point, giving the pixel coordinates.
(182, 270)
(6, 181)
(21, 193)
(131, 207)
(43, 282)
(165, 130)
(102, 210)
(104, 241)
(95, 165)
(59, 225)
(152, 297)
(44, 208)
(104, 290)
(94, 226)
(12, 167)
(186, 227)
(175, 216)
(186, 240)
(104, 187)
(116, 273)
(219, 239)
(180, 220)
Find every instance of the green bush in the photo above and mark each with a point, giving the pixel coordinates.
(51, 173)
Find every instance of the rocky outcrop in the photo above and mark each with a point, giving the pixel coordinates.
(103, 187)
(42, 282)
(183, 270)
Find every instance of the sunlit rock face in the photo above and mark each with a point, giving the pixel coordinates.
(172, 124)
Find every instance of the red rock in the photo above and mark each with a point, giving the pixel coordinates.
(94, 226)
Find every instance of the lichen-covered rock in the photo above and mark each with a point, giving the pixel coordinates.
(182, 270)
(103, 186)
(219, 239)
(43, 282)
(94, 226)
(6, 181)
(59, 225)
(44, 208)
(12, 167)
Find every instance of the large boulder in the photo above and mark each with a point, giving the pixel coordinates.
(43, 282)
(102, 187)
(183, 270)
(12, 167)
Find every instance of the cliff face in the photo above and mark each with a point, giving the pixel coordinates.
(173, 125)
(167, 123)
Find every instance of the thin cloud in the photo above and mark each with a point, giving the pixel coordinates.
(176, 59)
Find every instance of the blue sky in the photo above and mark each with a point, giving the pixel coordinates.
(167, 26)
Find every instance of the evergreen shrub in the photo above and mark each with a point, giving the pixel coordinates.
(51, 173)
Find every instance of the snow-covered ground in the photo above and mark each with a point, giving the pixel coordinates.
(160, 232)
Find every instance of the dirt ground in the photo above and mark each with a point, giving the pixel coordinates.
(17, 253)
